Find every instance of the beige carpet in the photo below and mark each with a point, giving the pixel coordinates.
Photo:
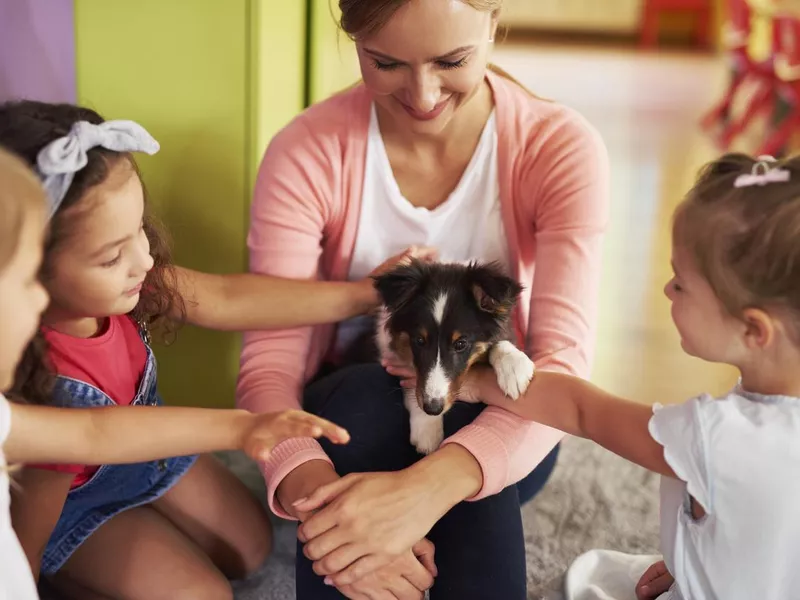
(594, 500)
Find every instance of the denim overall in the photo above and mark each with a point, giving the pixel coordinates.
(113, 488)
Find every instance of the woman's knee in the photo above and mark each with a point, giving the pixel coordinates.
(368, 402)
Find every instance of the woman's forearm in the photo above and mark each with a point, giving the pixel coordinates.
(120, 434)
(452, 473)
(249, 301)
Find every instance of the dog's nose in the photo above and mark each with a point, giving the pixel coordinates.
(433, 406)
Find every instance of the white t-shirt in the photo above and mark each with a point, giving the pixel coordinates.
(468, 225)
(16, 580)
(739, 458)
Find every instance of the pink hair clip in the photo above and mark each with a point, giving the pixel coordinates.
(762, 174)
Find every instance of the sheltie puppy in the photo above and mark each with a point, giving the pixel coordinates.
(442, 318)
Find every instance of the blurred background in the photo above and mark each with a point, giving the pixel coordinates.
(668, 83)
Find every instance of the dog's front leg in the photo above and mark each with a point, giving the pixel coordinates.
(427, 432)
(514, 369)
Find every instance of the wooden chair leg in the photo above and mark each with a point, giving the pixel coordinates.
(703, 29)
(648, 35)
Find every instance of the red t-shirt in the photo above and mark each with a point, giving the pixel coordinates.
(113, 361)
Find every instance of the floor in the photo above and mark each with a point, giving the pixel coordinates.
(646, 107)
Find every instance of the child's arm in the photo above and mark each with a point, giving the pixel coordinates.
(130, 434)
(248, 301)
(251, 301)
(579, 408)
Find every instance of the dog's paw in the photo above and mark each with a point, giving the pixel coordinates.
(427, 433)
(513, 368)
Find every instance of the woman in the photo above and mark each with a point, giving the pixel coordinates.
(433, 148)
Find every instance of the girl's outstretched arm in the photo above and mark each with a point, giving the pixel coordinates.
(248, 301)
(579, 408)
(251, 301)
(130, 434)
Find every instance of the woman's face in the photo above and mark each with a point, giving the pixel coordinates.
(427, 62)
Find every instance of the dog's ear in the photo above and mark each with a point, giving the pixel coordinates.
(398, 286)
(493, 291)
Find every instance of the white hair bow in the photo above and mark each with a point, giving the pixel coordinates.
(58, 162)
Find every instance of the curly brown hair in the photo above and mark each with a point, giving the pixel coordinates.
(744, 240)
(25, 128)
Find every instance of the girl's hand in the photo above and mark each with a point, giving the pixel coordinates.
(655, 581)
(407, 578)
(472, 386)
(369, 300)
(263, 432)
(365, 521)
(425, 253)
(398, 368)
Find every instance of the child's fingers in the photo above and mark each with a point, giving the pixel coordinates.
(422, 252)
(291, 424)
(655, 581)
(304, 424)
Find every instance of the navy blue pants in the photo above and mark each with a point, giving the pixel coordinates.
(480, 552)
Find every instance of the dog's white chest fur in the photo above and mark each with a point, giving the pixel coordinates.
(514, 372)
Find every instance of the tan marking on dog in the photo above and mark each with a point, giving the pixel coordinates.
(455, 336)
(401, 346)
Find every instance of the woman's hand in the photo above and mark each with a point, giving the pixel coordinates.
(364, 521)
(655, 581)
(301, 483)
(262, 432)
(406, 578)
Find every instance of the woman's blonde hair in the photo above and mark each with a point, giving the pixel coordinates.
(362, 18)
(745, 239)
(20, 192)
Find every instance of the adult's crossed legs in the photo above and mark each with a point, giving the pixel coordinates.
(480, 551)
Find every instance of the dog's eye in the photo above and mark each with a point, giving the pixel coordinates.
(460, 345)
(419, 341)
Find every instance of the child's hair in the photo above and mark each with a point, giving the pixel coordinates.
(20, 192)
(741, 225)
(26, 127)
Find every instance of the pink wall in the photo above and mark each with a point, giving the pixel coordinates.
(37, 50)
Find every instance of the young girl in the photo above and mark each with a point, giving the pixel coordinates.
(177, 526)
(32, 433)
(730, 528)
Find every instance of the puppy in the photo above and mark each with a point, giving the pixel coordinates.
(443, 318)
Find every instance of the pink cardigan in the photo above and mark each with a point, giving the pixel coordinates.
(554, 184)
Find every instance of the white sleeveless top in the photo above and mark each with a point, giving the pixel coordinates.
(16, 580)
(467, 225)
(739, 458)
